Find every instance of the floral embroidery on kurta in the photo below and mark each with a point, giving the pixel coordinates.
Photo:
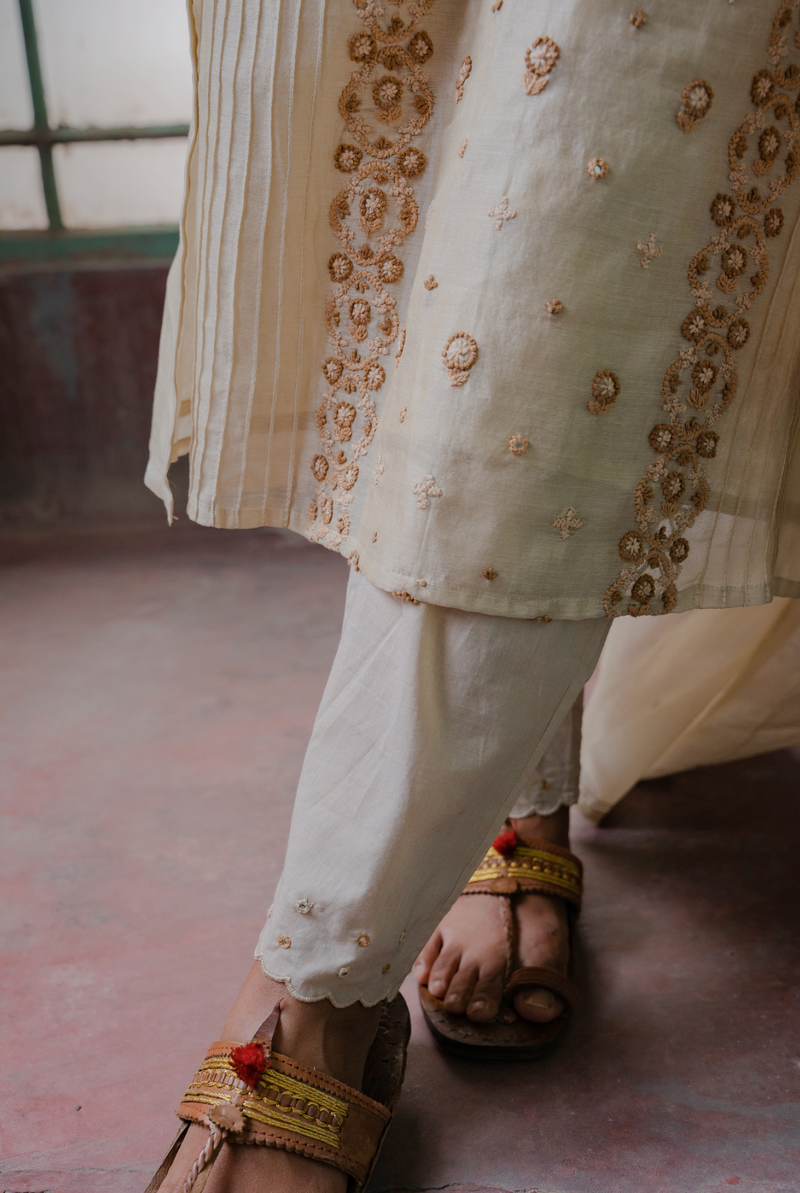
(539, 61)
(424, 491)
(430, 283)
(459, 355)
(638, 18)
(567, 523)
(461, 78)
(648, 251)
(605, 391)
(597, 168)
(501, 213)
(555, 307)
(696, 100)
(674, 489)
(385, 105)
(518, 445)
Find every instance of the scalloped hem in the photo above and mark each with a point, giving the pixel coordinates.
(390, 992)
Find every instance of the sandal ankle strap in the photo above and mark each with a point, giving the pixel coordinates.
(515, 865)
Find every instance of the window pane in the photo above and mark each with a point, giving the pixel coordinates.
(21, 198)
(115, 62)
(114, 183)
(16, 110)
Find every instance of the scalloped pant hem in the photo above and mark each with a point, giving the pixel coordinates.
(390, 993)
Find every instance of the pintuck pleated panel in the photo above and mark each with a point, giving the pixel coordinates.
(499, 302)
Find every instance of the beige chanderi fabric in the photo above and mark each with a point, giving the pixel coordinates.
(499, 301)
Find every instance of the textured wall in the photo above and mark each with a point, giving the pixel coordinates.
(78, 357)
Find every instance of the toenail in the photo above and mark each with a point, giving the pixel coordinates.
(477, 1005)
(539, 998)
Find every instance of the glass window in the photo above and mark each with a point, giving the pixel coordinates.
(112, 184)
(115, 62)
(108, 65)
(16, 110)
(21, 198)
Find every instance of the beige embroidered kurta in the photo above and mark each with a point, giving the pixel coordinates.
(497, 299)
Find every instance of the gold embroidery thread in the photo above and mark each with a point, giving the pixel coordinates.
(648, 251)
(539, 62)
(385, 105)
(501, 213)
(463, 74)
(696, 100)
(459, 355)
(674, 490)
(424, 491)
(605, 391)
(567, 523)
(597, 168)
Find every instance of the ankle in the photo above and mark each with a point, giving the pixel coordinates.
(553, 829)
(334, 1040)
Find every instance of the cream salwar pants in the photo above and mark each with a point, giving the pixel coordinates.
(431, 729)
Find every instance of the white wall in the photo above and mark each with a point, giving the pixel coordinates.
(104, 62)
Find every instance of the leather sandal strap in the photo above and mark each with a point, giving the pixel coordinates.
(289, 1106)
(514, 864)
(547, 978)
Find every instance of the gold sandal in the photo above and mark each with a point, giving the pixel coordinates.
(514, 866)
(248, 1094)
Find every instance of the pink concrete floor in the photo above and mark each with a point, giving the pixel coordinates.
(158, 689)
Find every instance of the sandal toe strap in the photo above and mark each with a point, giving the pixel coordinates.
(547, 978)
(514, 864)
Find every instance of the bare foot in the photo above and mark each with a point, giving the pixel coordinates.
(335, 1041)
(464, 961)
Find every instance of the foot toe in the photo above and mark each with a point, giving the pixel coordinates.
(538, 1005)
(485, 1001)
(459, 992)
(427, 958)
(443, 971)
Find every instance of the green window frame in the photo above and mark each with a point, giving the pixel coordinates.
(60, 245)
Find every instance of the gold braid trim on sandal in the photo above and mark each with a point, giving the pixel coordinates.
(513, 865)
(249, 1094)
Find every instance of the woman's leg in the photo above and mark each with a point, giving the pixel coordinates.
(429, 721)
(464, 962)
